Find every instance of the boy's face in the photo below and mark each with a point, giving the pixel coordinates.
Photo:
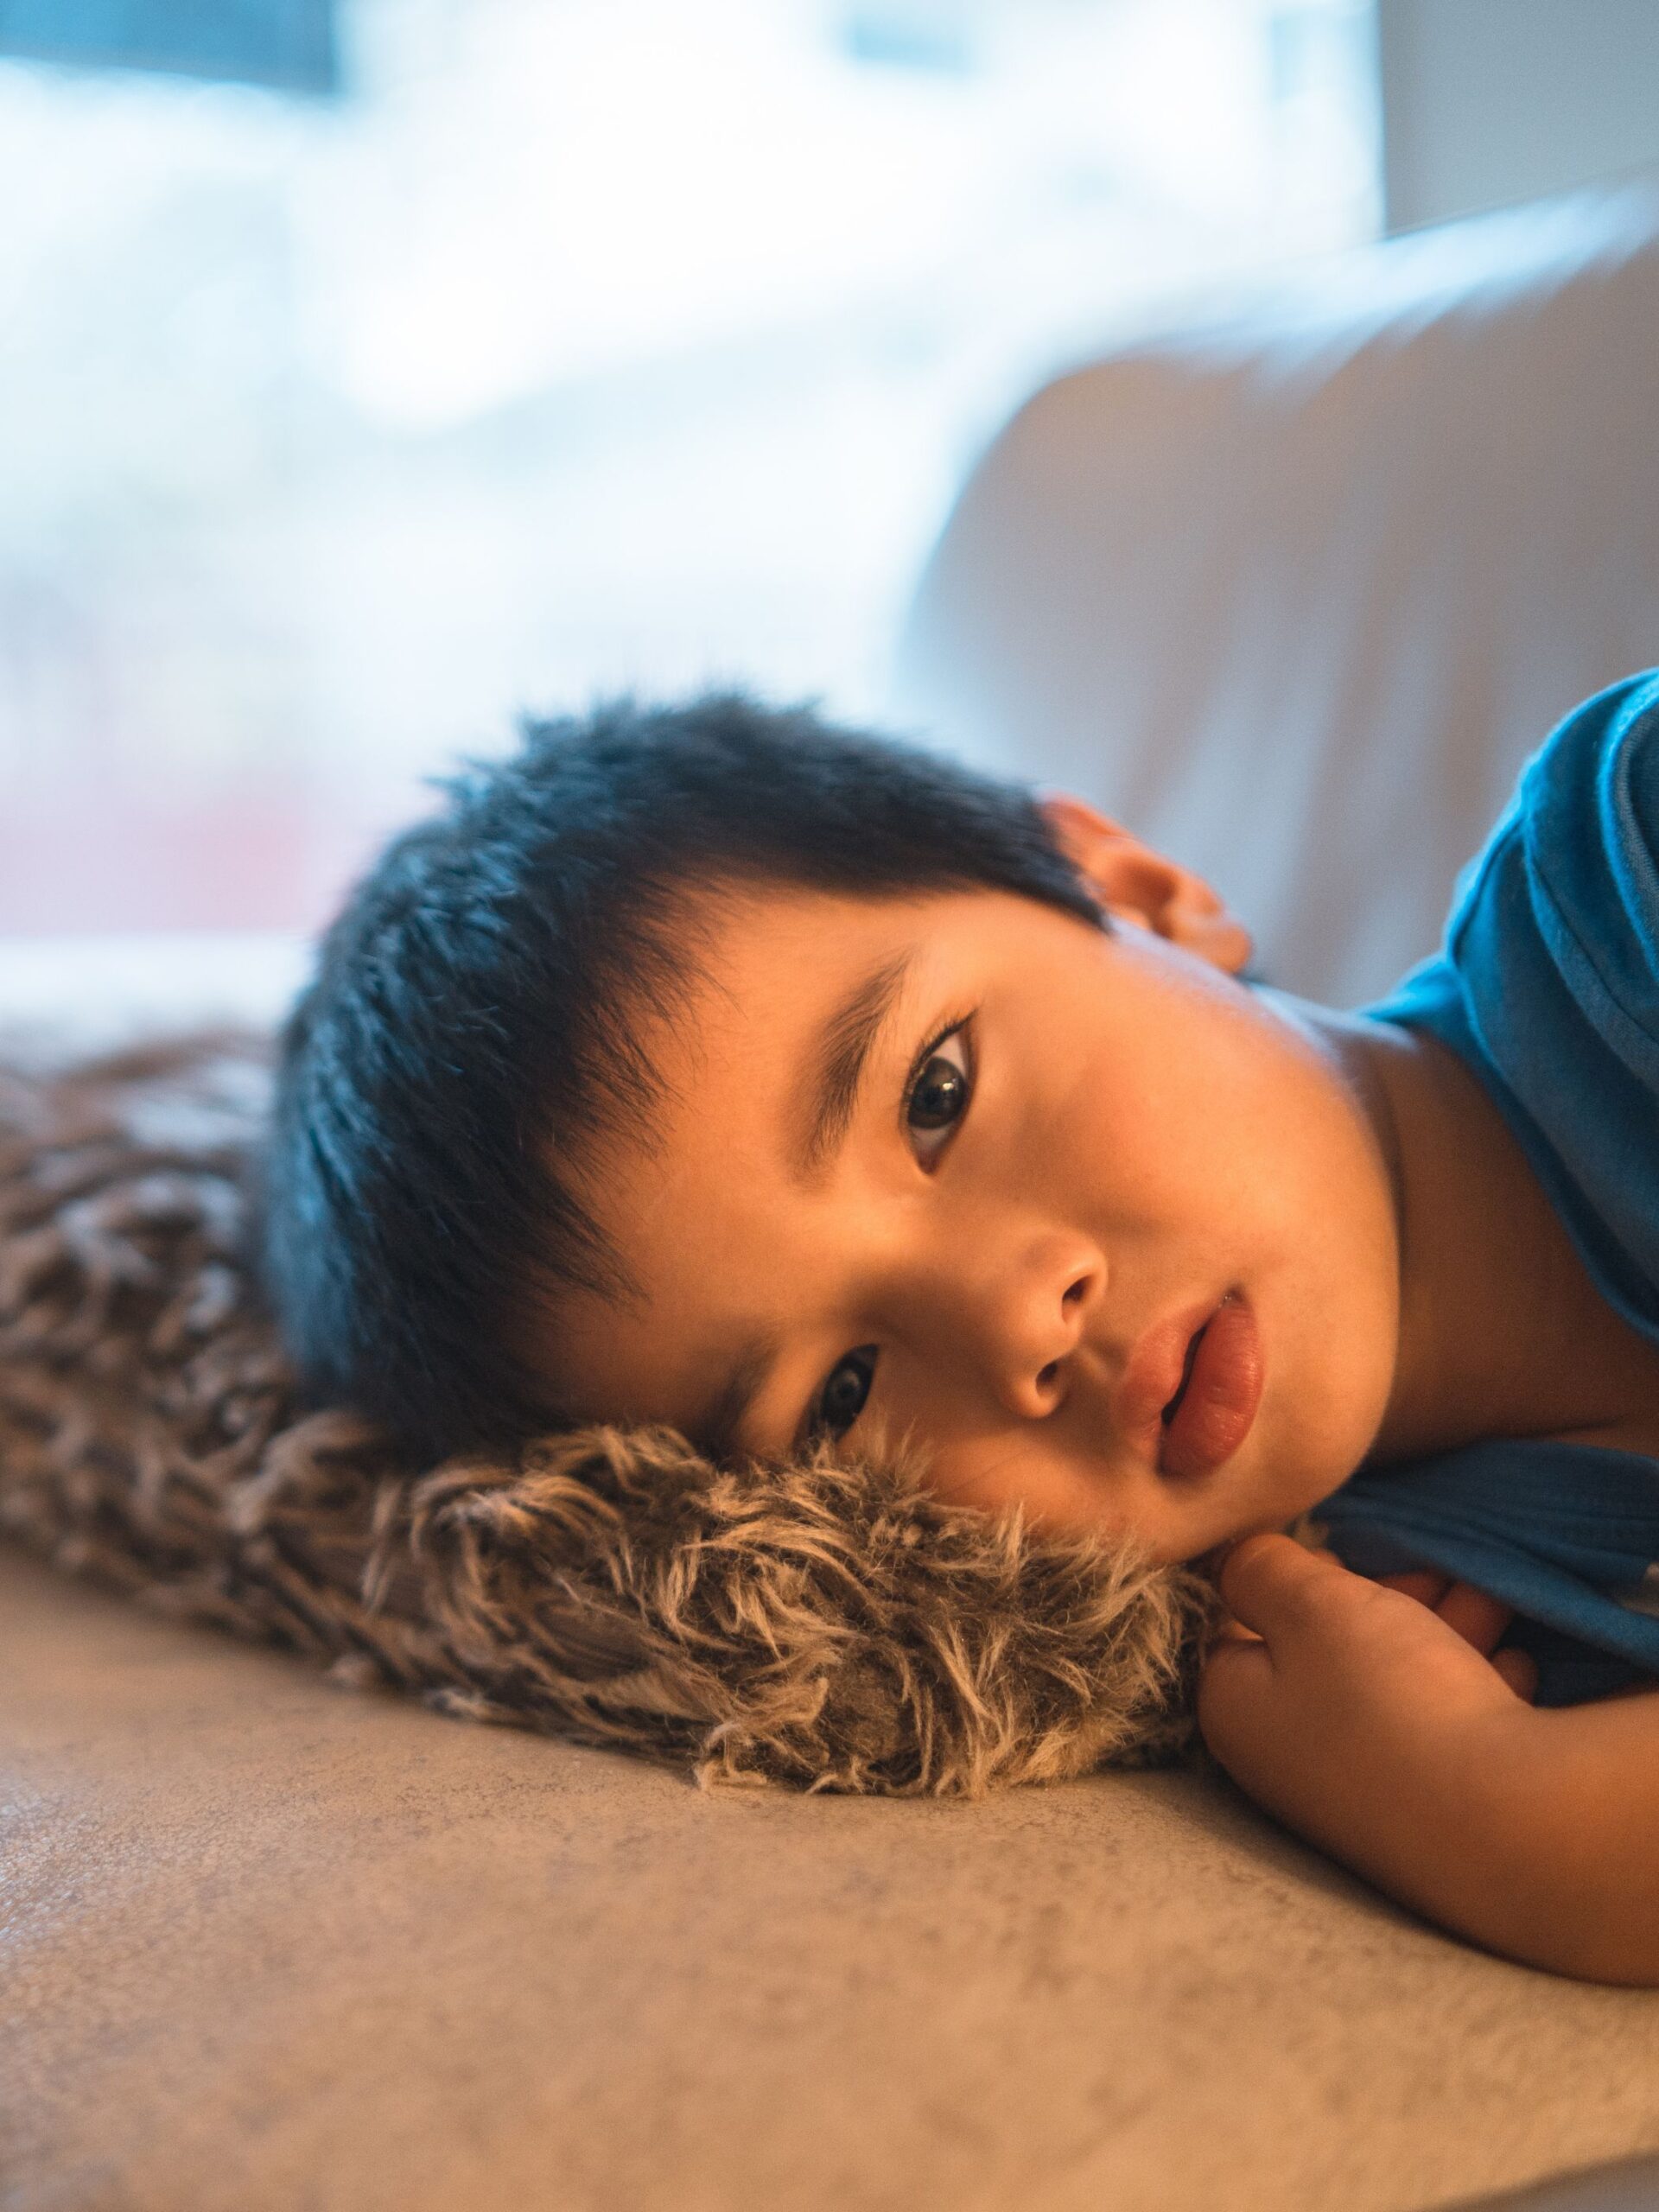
(964, 1170)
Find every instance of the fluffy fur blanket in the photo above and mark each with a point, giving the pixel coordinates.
(826, 1625)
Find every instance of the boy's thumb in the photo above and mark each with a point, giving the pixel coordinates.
(1266, 1580)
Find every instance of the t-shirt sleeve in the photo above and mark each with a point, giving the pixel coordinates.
(1547, 982)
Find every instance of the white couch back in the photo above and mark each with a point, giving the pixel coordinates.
(1293, 593)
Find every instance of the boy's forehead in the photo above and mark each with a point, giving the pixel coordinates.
(792, 935)
(791, 993)
(777, 939)
(759, 1063)
(777, 969)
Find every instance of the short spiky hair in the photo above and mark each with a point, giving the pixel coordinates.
(470, 1030)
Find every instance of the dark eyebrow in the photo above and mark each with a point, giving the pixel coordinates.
(718, 1432)
(830, 1093)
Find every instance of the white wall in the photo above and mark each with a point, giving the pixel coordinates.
(1488, 102)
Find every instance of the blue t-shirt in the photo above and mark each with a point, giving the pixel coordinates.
(1548, 987)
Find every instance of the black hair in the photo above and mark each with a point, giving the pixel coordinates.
(472, 1031)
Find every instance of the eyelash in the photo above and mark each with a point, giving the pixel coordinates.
(864, 1357)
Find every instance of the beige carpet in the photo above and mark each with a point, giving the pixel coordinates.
(268, 1945)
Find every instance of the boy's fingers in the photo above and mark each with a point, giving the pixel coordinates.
(1265, 1580)
(1232, 1631)
(1479, 1619)
(1235, 1696)
(1269, 1582)
(1519, 1670)
(1423, 1583)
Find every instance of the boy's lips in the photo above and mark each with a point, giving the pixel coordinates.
(1189, 1396)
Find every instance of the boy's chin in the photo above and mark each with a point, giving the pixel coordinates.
(1275, 1506)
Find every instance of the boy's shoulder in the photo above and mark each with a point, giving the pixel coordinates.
(1578, 871)
(1547, 985)
(1563, 898)
(1592, 792)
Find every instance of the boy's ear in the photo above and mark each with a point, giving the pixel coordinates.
(1137, 885)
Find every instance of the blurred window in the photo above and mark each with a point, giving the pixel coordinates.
(287, 42)
(571, 344)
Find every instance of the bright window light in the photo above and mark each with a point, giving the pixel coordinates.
(571, 344)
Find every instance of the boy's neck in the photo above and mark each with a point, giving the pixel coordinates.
(1502, 1330)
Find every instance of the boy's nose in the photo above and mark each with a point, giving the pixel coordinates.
(1027, 1317)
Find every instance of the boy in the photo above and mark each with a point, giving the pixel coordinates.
(713, 1067)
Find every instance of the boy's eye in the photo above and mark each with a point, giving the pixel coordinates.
(935, 1101)
(938, 1096)
(841, 1399)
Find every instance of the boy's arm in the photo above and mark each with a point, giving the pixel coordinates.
(1372, 1727)
(1590, 1790)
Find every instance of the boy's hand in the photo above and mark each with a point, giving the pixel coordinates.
(1366, 1714)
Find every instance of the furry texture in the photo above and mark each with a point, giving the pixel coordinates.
(823, 1624)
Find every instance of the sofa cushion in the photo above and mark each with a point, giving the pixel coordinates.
(267, 1945)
